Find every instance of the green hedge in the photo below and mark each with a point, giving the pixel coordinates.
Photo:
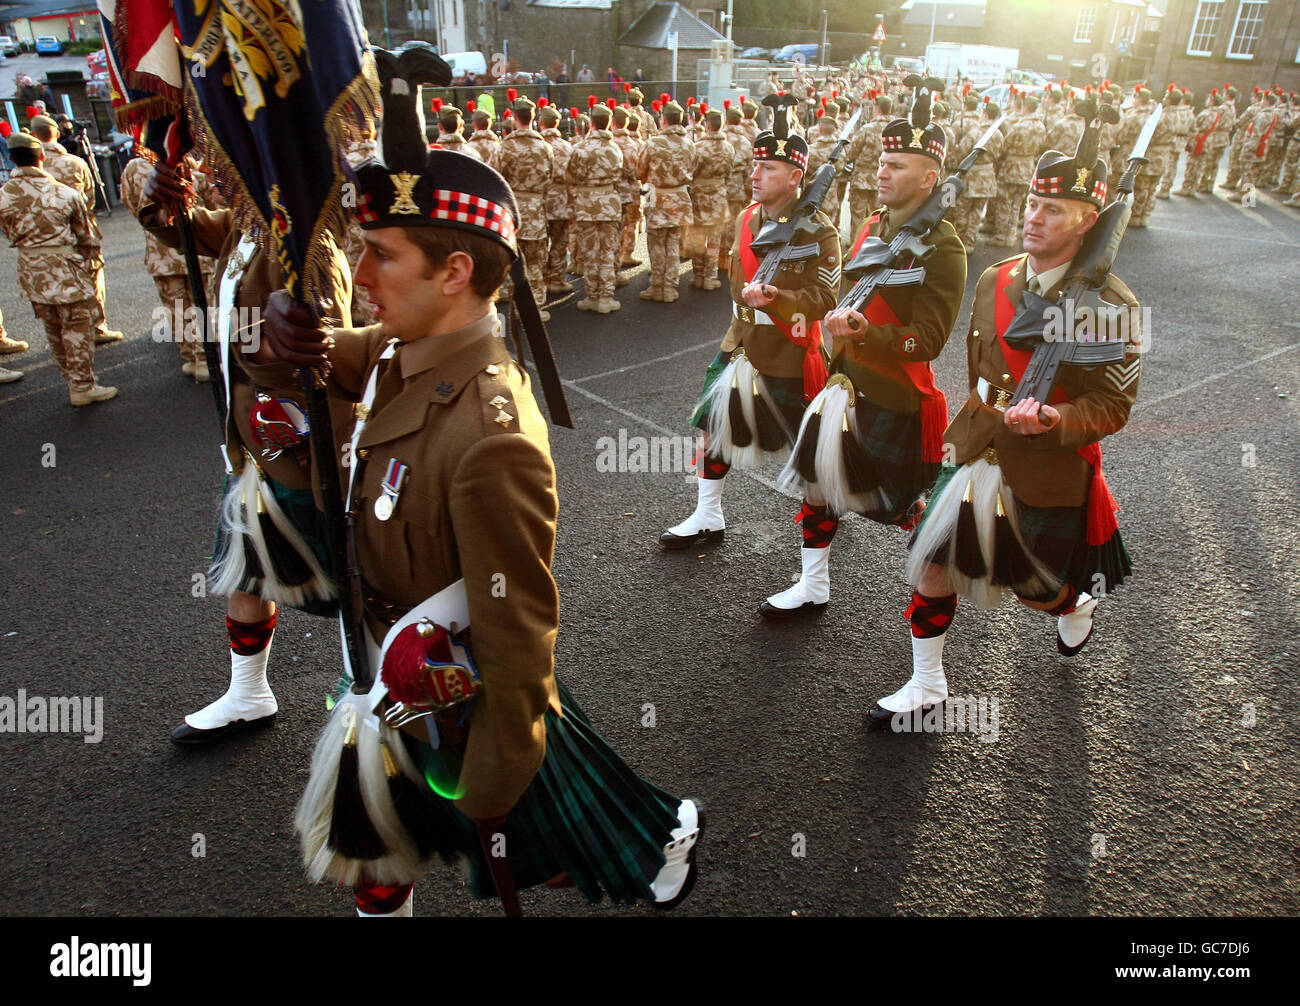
(83, 48)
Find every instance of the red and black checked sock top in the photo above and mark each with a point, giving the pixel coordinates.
(818, 525)
(930, 616)
(380, 900)
(713, 468)
(247, 638)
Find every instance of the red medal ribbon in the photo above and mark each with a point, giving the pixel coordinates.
(1101, 504)
(934, 404)
(814, 367)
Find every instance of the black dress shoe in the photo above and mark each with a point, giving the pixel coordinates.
(772, 612)
(190, 737)
(882, 719)
(675, 541)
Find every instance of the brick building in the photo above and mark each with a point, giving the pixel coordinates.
(1207, 44)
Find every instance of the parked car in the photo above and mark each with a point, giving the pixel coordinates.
(8, 46)
(1000, 92)
(754, 52)
(801, 52)
(48, 45)
(97, 62)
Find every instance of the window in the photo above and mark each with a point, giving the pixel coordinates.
(1084, 23)
(1247, 30)
(1205, 29)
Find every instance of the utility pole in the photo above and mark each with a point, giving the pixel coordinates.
(824, 22)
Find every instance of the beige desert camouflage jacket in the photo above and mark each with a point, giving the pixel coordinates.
(57, 239)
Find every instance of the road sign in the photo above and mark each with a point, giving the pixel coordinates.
(880, 35)
(672, 40)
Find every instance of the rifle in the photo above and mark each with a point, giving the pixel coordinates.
(1088, 271)
(93, 162)
(874, 267)
(790, 237)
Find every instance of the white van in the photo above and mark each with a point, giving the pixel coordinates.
(466, 62)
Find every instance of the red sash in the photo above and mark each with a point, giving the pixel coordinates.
(934, 405)
(1262, 149)
(814, 367)
(1200, 140)
(1101, 504)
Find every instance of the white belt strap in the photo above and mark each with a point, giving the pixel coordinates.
(750, 315)
(227, 292)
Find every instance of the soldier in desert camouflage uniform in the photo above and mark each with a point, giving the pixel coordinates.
(1180, 124)
(167, 267)
(450, 131)
(981, 179)
(1202, 154)
(863, 153)
(668, 163)
(59, 257)
(73, 172)
(648, 126)
(749, 120)
(714, 157)
(483, 141)
(1020, 148)
(1240, 132)
(527, 162)
(626, 134)
(1263, 131)
(595, 166)
(742, 160)
(559, 210)
(1064, 133)
(1159, 150)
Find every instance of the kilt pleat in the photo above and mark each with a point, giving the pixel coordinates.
(786, 392)
(893, 442)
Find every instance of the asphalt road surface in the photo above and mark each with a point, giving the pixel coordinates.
(1153, 774)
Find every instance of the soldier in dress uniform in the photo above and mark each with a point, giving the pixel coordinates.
(709, 202)
(862, 157)
(73, 171)
(1020, 148)
(667, 164)
(765, 342)
(981, 179)
(483, 141)
(271, 538)
(885, 352)
(451, 132)
(167, 267)
(594, 170)
(627, 135)
(525, 159)
(59, 263)
(1020, 505)
(454, 486)
(559, 209)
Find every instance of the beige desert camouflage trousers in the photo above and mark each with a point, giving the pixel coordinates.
(597, 247)
(174, 292)
(664, 245)
(70, 329)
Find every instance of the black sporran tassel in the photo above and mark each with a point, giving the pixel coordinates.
(413, 808)
(741, 435)
(351, 833)
(968, 557)
(1010, 564)
(252, 564)
(859, 472)
(289, 567)
(805, 453)
(771, 436)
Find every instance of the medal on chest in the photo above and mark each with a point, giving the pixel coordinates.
(391, 489)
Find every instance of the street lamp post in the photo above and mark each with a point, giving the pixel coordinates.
(824, 20)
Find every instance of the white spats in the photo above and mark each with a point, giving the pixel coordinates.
(708, 510)
(248, 698)
(672, 876)
(814, 584)
(927, 686)
(1074, 629)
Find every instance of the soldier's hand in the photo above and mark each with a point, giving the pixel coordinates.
(758, 294)
(845, 323)
(292, 334)
(166, 187)
(1030, 419)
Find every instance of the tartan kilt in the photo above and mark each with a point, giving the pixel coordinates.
(300, 507)
(786, 392)
(893, 442)
(585, 814)
(1058, 537)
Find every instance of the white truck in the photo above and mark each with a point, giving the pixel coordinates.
(983, 64)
